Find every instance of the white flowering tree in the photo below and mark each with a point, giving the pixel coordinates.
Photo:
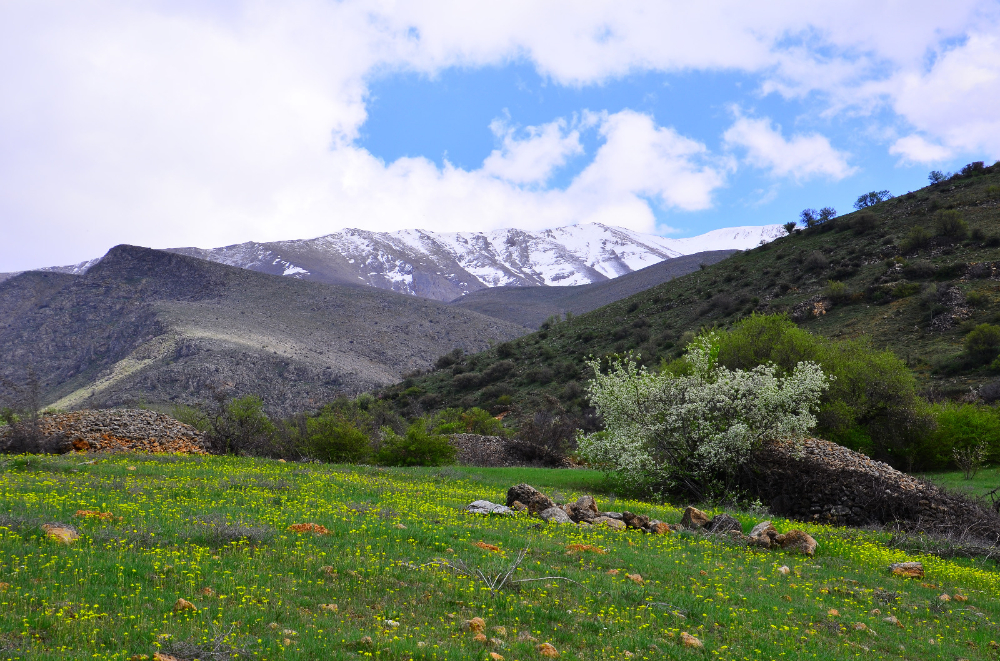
(685, 431)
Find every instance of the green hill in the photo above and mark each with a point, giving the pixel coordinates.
(915, 274)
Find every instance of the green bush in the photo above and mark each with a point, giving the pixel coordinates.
(983, 343)
(241, 426)
(916, 239)
(472, 421)
(951, 224)
(837, 291)
(417, 447)
(872, 404)
(961, 427)
(333, 439)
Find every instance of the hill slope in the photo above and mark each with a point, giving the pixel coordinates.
(153, 326)
(904, 282)
(531, 306)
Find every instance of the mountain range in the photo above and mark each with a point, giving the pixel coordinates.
(444, 266)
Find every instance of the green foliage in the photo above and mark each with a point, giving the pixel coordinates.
(906, 289)
(790, 226)
(334, 439)
(191, 415)
(837, 291)
(916, 239)
(417, 447)
(872, 403)
(983, 343)
(962, 427)
(242, 427)
(871, 199)
(951, 224)
(471, 421)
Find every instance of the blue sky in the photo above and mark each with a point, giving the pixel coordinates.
(447, 117)
(210, 123)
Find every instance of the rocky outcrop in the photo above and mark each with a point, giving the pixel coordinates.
(827, 483)
(527, 495)
(119, 430)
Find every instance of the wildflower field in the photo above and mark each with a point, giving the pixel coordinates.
(206, 557)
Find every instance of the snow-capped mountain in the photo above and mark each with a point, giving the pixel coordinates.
(446, 265)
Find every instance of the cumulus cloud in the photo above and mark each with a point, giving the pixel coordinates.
(531, 160)
(917, 149)
(801, 156)
(166, 123)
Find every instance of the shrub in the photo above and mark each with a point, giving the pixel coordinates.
(790, 226)
(962, 427)
(816, 261)
(333, 439)
(863, 222)
(871, 199)
(240, 426)
(471, 421)
(836, 291)
(951, 224)
(466, 381)
(983, 343)
(974, 168)
(977, 299)
(916, 239)
(498, 370)
(936, 176)
(417, 447)
(449, 359)
(872, 402)
(687, 432)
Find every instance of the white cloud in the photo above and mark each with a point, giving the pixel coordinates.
(533, 159)
(801, 157)
(166, 123)
(917, 149)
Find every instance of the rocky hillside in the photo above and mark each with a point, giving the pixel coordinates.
(915, 274)
(156, 327)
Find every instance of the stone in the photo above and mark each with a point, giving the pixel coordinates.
(476, 624)
(500, 631)
(60, 533)
(723, 523)
(907, 569)
(635, 521)
(960, 598)
(160, 656)
(480, 638)
(583, 510)
(859, 626)
(659, 528)
(329, 608)
(526, 637)
(944, 597)
(518, 506)
(762, 528)
(496, 657)
(555, 515)
(833, 612)
(690, 641)
(309, 527)
(799, 542)
(635, 578)
(784, 570)
(892, 619)
(184, 605)
(614, 524)
(694, 518)
(545, 649)
(535, 500)
(486, 507)
(736, 536)
(611, 515)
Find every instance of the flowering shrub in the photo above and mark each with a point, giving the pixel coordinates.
(684, 431)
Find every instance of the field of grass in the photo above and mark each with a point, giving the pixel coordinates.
(986, 480)
(215, 531)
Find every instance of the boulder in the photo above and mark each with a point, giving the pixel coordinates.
(762, 528)
(658, 528)
(555, 515)
(907, 569)
(60, 532)
(611, 515)
(614, 524)
(584, 509)
(518, 506)
(723, 523)
(694, 518)
(530, 496)
(799, 541)
(486, 507)
(636, 521)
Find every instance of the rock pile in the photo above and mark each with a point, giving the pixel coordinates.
(584, 512)
(119, 430)
(827, 483)
(484, 451)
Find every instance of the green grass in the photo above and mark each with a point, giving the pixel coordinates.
(985, 481)
(174, 533)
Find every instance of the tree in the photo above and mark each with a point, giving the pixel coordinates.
(790, 226)
(872, 198)
(689, 429)
(827, 213)
(240, 426)
(983, 343)
(936, 176)
(809, 217)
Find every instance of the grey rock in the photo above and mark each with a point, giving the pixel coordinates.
(611, 515)
(723, 523)
(486, 507)
(762, 528)
(555, 515)
(614, 524)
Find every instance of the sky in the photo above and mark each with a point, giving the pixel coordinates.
(170, 123)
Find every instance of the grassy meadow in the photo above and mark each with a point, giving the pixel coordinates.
(381, 582)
